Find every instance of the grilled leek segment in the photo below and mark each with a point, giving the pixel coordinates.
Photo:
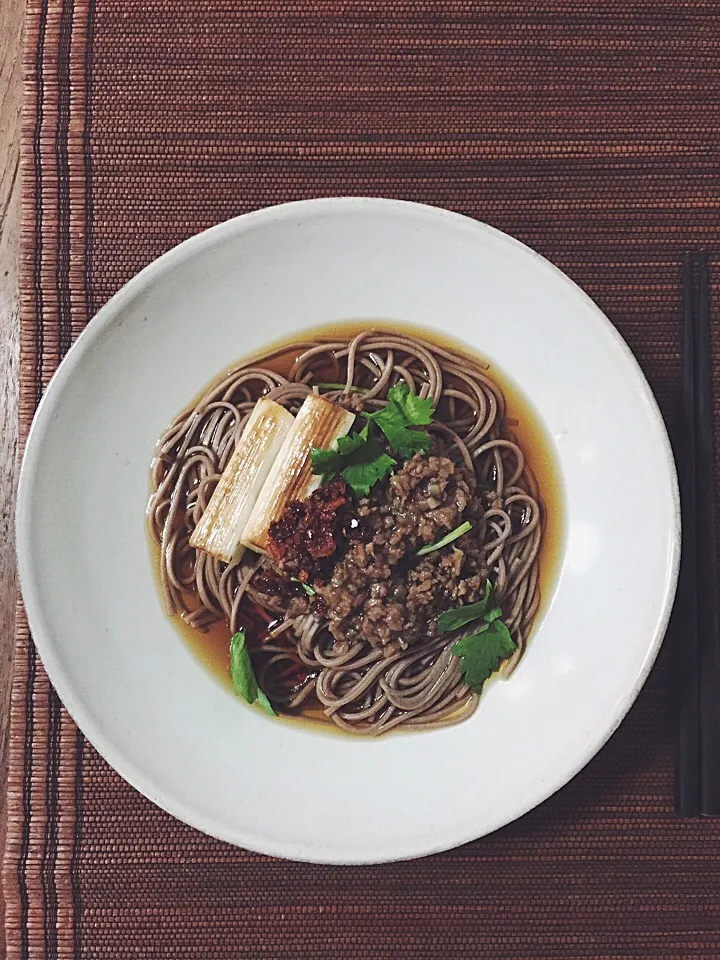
(223, 523)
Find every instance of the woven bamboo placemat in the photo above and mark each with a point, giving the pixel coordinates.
(588, 130)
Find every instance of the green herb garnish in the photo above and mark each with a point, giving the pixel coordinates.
(482, 651)
(486, 609)
(405, 410)
(360, 460)
(306, 586)
(448, 538)
(243, 675)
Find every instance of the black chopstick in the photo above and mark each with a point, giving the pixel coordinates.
(706, 554)
(685, 617)
(698, 760)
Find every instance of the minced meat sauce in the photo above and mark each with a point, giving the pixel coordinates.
(372, 586)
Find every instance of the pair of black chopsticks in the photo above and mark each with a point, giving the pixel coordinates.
(696, 615)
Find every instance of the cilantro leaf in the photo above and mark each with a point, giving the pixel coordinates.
(241, 668)
(488, 609)
(367, 467)
(265, 704)
(402, 439)
(358, 459)
(447, 539)
(242, 674)
(483, 650)
(415, 410)
(482, 653)
(404, 411)
(331, 462)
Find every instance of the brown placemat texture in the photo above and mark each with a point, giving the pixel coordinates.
(591, 132)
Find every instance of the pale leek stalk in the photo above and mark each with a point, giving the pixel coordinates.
(221, 526)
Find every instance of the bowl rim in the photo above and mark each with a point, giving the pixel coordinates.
(107, 314)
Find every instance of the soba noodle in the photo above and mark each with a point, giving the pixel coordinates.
(358, 687)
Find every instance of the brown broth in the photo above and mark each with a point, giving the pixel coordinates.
(212, 646)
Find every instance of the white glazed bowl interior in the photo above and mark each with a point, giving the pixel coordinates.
(139, 693)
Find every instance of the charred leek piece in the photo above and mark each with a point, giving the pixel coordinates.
(222, 524)
(318, 424)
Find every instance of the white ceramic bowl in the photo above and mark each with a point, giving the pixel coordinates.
(138, 692)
